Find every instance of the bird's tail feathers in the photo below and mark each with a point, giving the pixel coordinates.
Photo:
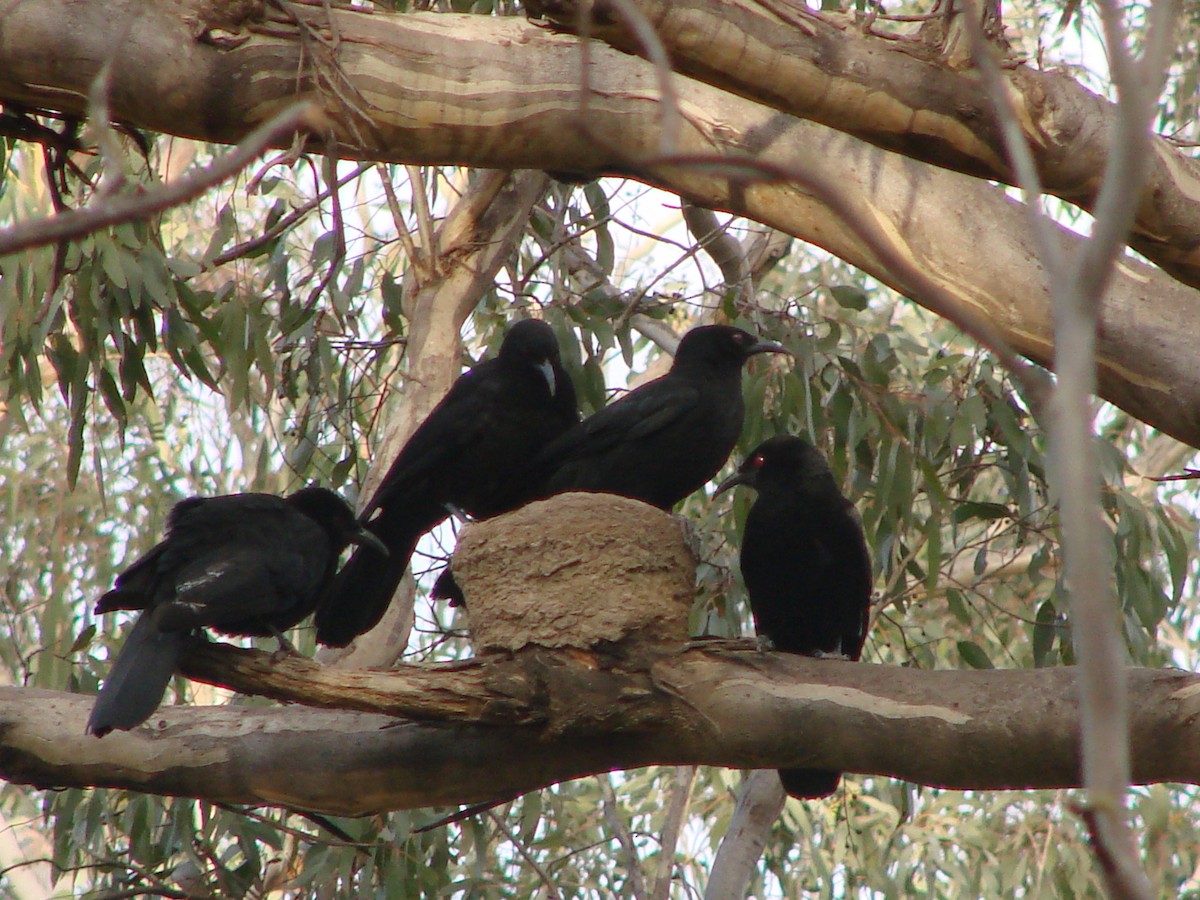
(362, 590)
(138, 678)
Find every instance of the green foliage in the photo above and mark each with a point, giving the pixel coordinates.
(210, 351)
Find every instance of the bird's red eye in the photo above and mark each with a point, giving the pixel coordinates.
(757, 461)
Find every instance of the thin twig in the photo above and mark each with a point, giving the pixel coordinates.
(339, 231)
(551, 887)
(1076, 287)
(403, 235)
(100, 125)
(1020, 156)
(723, 249)
(637, 884)
(656, 53)
(112, 210)
(677, 805)
(426, 233)
(286, 222)
(465, 813)
(579, 260)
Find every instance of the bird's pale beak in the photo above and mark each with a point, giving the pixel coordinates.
(732, 481)
(769, 347)
(367, 538)
(547, 371)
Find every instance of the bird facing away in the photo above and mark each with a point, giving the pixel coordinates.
(668, 437)
(806, 566)
(471, 454)
(251, 565)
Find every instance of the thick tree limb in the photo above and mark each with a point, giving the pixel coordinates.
(437, 89)
(759, 802)
(739, 708)
(903, 95)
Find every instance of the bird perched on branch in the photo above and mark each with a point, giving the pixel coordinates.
(668, 437)
(251, 565)
(806, 566)
(470, 455)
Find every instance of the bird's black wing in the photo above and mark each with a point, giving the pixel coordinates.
(244, 591)
(136, 584)
(638, 415)
(471, 453)
(460, 421)
(410, 501)
(250, 565)
(239, 559)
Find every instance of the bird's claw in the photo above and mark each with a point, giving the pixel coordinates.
(828, 654)
(460, 515)
(285, 649)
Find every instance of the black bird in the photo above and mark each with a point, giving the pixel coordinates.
(470, 455)
(251, 565)
(668, 437)
(806, 566)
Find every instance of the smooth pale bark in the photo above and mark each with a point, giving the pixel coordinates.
(501, 93)
(482, 230)
(738, 708)
(759, 802)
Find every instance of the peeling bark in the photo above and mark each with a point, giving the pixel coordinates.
(458, 89)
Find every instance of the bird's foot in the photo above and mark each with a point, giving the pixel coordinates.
(460, 515)
(828, 654)
(285, 649)
(716, 642)
(765, 644)
(446, 588)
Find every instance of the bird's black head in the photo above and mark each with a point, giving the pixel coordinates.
(721, 345)
(781, 460)
(532, 342)
(336, 517)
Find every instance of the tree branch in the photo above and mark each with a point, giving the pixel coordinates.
(413, 69)
(500, 727)
(825, 67)
(759, 803)
(1076, 286)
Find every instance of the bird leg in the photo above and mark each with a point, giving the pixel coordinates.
(285, 649)
(459, 514)
(828, 654)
